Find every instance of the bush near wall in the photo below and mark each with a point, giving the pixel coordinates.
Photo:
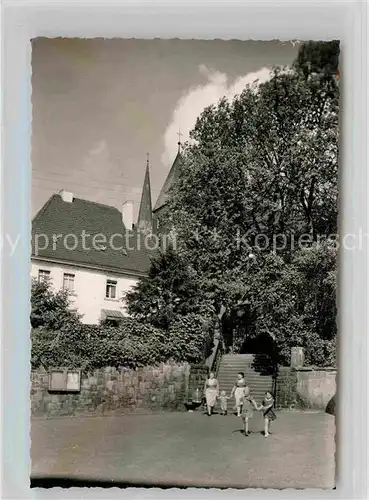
(133, 344)
(286, 388)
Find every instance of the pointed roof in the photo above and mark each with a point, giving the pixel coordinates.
(145, 212)
(170, 180)
(62, 219)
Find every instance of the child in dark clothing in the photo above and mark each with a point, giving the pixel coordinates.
(268, 412)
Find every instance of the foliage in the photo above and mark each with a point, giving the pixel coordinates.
(131, 345)
(170, 290)
(60, 339)
(50, 309)
(58, 348)
(267, 166)
(190, 337)
(296, 303)
(319, 57)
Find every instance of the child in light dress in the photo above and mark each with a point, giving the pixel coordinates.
(223, 398)
(238, 391)
(249, 404)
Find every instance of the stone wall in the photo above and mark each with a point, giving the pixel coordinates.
(110, 391)
(305, 388)
(286, 388)
(315, 387)
(198, 376)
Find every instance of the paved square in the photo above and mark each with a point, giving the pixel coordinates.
(187, 449)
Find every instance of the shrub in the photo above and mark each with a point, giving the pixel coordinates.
(132, 344)
(50, 309)
(189, 339)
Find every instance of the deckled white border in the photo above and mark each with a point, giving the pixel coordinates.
(259, 20)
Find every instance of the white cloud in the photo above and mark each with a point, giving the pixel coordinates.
(98, 148)
(190, 106)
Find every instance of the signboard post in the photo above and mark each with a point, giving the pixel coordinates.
(64, 380)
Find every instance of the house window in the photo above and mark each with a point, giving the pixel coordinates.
(68, 282)
(43, 275)
(111, 289)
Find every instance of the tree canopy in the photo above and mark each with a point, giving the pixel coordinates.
(170, 290)
(256, 194)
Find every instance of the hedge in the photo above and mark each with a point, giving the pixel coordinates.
(132, 344)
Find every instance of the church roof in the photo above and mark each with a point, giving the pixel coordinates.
(145, 212)
(170, 180)
(69, 220)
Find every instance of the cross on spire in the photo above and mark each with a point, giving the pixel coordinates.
(147, 159)
(179, 139)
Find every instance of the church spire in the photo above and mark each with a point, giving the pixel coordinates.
(144, 222)
(170, 180)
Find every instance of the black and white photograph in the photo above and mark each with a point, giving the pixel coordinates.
(184, 263)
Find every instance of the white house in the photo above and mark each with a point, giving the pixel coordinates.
(96, 294)
(95, 251)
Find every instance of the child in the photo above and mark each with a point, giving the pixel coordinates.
(269, 415)
(223, 402)
(249, 405)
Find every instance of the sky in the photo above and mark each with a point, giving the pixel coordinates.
(99, 106)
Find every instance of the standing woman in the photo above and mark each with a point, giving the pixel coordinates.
(239, 392)
(211, 392)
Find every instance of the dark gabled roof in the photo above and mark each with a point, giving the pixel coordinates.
(79, 217)
(170, 180)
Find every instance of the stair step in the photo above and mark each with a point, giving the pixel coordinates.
(245, 357)
(248, 382)
(238, 355)
(252, 366)
(248, 379)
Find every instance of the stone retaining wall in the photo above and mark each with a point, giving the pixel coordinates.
(286, 388)
(315, 387)
(109, 391)
(306, 388)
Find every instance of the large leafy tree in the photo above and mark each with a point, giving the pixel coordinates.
(260, 174)
(266, 163)
(267, 166)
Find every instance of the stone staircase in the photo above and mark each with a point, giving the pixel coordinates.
(253, 367)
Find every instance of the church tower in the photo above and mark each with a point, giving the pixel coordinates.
(161, 203)
(145, 215)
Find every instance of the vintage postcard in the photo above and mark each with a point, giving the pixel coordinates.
(184, 263)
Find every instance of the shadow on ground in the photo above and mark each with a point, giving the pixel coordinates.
(62, 482)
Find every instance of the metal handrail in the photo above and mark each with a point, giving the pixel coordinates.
(213, 360)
